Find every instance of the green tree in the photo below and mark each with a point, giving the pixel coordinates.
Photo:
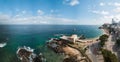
(109, 56)
(103, 39)
(118, 42)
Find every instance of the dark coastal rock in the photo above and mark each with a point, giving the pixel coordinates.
(59, 45)
(25, 54)
(56, 45)
(71, 59)
(82, 37)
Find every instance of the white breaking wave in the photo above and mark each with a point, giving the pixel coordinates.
(2, 44)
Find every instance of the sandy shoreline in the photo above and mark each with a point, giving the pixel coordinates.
(103, 32)
(95, 38)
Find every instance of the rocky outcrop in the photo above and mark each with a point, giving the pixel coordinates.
(26, 54)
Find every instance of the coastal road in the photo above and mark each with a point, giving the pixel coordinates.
(92, 51)
(92, 48)
(109, 44)
(92, 55)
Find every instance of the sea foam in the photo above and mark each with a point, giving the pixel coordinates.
(2, 45)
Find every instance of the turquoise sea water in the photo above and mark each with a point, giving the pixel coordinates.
(35, 36)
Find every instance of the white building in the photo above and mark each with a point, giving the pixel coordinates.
(72, 38)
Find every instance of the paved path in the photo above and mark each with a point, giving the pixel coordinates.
(109, 44)
(93, 54)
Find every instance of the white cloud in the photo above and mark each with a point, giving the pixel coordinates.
(52, 11)
(105, 17)
(117, 16)
(39, 19)
(117, 4)
(23, 12)
(40, 12)
(108, 16)
(104, 12)
(101, 12)
(96, 12)
(117, 10)
(109, 11)
(4, 17)
(102, 4)
(71, 2)
(109, 3)
(74, 2)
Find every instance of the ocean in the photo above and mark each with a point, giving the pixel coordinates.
(35, 36)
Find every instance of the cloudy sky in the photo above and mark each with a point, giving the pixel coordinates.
(67, 12)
